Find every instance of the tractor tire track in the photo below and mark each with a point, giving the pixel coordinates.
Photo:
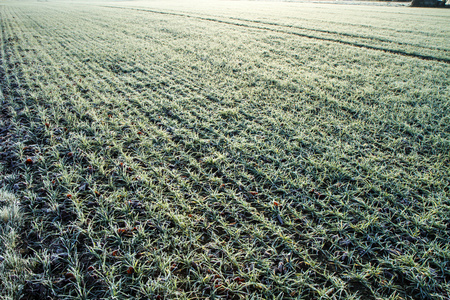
(309, 36)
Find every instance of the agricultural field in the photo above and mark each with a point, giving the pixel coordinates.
(224, 150)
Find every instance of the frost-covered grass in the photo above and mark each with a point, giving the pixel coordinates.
(14, 269)
(196, 152)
